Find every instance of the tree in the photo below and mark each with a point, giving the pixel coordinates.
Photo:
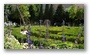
(76, 14)
(32, 10)
(14, 14)
(80, 15)
(67, 19)
(41, 12)
(51, 12)
(72, 14)
(46, 12)
(59, 14)
(72, 11)
(7, 12)
(38, 11)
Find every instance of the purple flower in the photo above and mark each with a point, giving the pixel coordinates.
(29, 41)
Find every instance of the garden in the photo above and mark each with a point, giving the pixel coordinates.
(54, 40)
(28, 27)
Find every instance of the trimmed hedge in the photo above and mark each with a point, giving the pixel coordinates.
(56, 32)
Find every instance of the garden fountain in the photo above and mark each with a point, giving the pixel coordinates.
(47, 24)
(63, 34)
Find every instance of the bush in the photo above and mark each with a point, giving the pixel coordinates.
(55, 37)
(11, 43)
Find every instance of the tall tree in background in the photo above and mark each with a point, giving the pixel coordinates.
(80, 15)
(51, 13)
(59, 14)
(72, 13)
(32, 10)
(41, 12)
(24, 12)
(76, 14)
(38, 12)
(72, 10)
(46, 12)
(67, 19)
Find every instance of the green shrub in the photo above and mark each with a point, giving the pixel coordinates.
(12, 43)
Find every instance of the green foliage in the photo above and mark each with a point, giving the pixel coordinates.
(41, 12)
(24, 10)
(76, 11)
(72, 11)
(32, 10)
(11, 43)
(76, 14)
(18, 35)
(51, 12)
(59, 14)
(54, 39)
(7, 9)
(46, 12)
(80, 13)
(13, 13)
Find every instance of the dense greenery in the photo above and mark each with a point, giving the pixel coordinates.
(32, 13)
(59, 15)
(11, 43)
(76, 14)
(13, 14)
(55, 37)
(64, 23)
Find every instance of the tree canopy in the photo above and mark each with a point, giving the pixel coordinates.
(31, 13)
